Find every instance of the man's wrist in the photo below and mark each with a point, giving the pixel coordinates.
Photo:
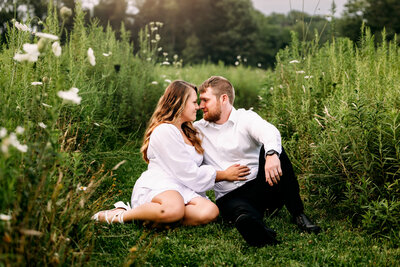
(271, 152)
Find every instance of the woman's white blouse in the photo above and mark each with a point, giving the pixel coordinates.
(172, 161)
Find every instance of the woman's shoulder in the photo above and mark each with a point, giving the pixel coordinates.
(165, 129)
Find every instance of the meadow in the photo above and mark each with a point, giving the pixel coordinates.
(73, 108)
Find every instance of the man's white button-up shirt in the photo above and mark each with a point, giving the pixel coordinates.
(238, 140)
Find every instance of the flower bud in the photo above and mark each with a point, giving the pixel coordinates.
(42, 44)
(65, 13)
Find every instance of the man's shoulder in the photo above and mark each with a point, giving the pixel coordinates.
(246, 113)
(200, 124)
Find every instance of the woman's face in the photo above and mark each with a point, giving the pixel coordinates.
(191, 107)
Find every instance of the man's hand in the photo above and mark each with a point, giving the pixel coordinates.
(273, 171)
(235, 172)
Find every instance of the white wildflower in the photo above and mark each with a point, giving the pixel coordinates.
(96, 124)
(165, 63)
(32, 53)
(294, 61)
(157, 37)
(70, 96)
(92, 59)
(153, 41)
(36, 83)
(259, 65)
(56, 49)
(3, 132)
(82, 188)
(236, 63)
(159, 49)
(15, 143)
(21, 26)
(42, 125)
(154, 82)
(47, 36)
(308, 77)
(19, 130)
(238, 57)
(46, 105)
(5, 217)
(148, 59)
(4, 145)
(107, 54)
(165, 54)
(168, 80)
(300, 72)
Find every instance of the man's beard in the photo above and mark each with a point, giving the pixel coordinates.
(213, 116)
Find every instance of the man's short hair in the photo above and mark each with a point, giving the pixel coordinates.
(220, 86)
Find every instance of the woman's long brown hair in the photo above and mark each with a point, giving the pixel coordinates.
(168, 110)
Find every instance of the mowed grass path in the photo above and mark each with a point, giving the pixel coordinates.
(219, 243)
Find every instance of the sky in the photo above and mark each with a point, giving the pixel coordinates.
(317, 7)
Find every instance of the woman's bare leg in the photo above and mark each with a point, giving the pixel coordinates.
(165, 207)
(200, 211)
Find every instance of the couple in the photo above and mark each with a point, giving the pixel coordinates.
(234, 152)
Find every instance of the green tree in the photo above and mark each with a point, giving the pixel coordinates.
(113, 12)
(376, 14)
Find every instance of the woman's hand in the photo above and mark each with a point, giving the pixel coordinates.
(236, 172)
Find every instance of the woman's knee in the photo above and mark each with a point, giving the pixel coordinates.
(172, 213)
(208, 214)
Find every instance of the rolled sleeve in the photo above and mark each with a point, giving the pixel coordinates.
(264, 132)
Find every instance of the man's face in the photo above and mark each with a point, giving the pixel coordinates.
(210, 105)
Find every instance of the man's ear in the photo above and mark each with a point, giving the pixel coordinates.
(224, 98)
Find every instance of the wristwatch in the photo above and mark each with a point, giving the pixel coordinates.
(271, 152)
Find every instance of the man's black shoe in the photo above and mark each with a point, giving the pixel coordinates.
(254, 231)
(304, 223)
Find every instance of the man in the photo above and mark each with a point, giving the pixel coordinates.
(239, 136)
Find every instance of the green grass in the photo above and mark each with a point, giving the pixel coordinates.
(341, 129)
(220, 244)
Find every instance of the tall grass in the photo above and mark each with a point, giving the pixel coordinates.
(48, 193)
(337, 107)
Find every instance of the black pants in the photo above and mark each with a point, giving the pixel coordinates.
(257, 196)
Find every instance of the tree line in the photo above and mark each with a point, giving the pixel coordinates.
(228, 31)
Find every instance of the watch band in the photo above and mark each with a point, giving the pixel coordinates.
(271, 152)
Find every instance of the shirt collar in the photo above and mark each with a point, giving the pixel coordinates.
(232, 119)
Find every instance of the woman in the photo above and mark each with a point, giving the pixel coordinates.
(172, 187)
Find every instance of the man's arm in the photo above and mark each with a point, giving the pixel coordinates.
(268, 135)
(273, 170)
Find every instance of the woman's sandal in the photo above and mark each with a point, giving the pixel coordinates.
(119, 215)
